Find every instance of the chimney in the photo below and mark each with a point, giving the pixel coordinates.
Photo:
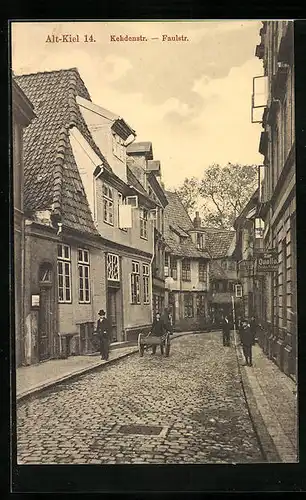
(197, 221)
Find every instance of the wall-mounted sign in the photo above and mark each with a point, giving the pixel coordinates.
(267, 262)
(35, 300)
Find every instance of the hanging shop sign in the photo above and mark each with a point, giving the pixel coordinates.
(267, 262)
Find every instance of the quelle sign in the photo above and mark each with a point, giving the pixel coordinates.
(267, 262)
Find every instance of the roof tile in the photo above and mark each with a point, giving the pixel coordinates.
(52, 179)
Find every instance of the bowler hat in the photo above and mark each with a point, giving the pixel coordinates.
(101, 312)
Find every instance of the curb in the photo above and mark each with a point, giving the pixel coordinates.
(47, 385)
(265, 441)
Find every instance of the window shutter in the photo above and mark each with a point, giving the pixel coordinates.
(125, 216)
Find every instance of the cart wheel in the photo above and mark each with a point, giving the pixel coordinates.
(140, 345)
(167, 346)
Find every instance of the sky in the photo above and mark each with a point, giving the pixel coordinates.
(191, 99)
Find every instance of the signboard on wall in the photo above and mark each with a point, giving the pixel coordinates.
(267, 262)
(35, 301)
(238, 291)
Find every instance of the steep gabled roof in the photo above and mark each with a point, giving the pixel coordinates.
(218, 242)
(177, 221)
(51, 176)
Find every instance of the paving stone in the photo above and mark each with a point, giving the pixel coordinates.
(72, 423)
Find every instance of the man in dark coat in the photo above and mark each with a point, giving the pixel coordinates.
(158, 329)
(253, 326)
(247, 340)
(226, 330)
(167, 321)
(104, 333)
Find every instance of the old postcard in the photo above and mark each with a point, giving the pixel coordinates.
(154, 242)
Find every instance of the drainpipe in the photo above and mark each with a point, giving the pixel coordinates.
(151, 263)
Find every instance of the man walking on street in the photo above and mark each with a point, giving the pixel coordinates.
(253, 326)
(226, 330)
(167, 321)
(104, 333)
(247, 339)
(158, 330)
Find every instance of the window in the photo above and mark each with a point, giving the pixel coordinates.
(135, 280)
(173, 268)
(143, 223)
(166, 265)
(108, 205)
(146, 276)
(201, 299)
(64, 273)
(83, 266)
(224, 264)
(186, 273)
(202, 272)
(113, 270)
(200, 241)
(188, 305)
(118, 147)
(132, 200)
(121, 202)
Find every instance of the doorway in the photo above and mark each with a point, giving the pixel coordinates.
(113, 312)
(45, 318)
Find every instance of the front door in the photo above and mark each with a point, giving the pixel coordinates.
(45, 324)
(112, 312)
(45, 320)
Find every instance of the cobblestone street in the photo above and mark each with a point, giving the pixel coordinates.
(193, 400)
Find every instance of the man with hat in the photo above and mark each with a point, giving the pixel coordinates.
(104, 333)
(247, 340)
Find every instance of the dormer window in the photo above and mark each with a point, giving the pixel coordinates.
(200, 241)
(118, 147)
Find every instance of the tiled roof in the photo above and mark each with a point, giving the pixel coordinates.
(218, 241)
(178, 221)
(52, 179)
(132, 180)
(216, 271)
(175, 213)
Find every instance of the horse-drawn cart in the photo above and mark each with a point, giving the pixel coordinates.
(145, 341)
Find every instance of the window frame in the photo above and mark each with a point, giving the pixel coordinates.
(121, 201)
(143, 218)
(201, 300)
(118, 147)
(186, 272)
(114, 257)
(63, 261)
(108, 204)
(84, 265)
(173, 268)
(135, 283)
(203, 272)
(146, 283)
(188, 297)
